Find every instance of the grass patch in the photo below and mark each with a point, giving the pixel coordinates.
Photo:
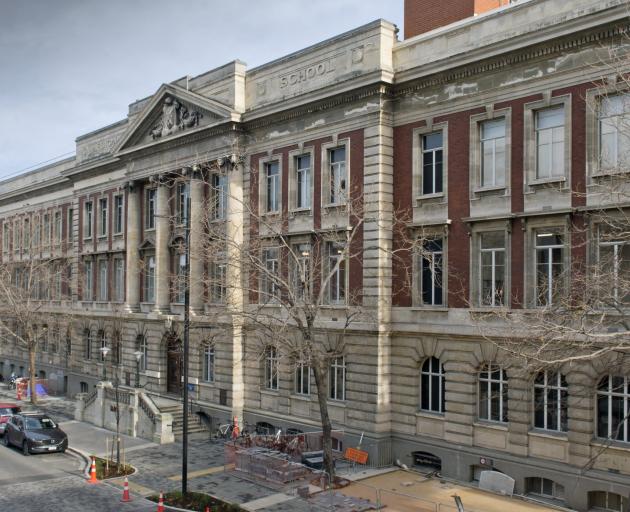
(196, 501)
(111, 469)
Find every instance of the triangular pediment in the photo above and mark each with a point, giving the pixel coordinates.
(172, 112)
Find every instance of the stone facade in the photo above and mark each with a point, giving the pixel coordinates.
(377, 98)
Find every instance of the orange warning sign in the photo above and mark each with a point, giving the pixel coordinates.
(355, 455)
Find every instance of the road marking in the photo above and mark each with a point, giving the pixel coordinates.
(203, 472)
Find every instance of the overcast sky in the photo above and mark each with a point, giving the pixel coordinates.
(71, 66)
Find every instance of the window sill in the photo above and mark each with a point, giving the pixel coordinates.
(337, 403)
(437, 309)
(611, 173)
(609, 443)
(118, 235)
(102, 237)
(300, 211)
(269, 392)
(494, 425)
(490, 190)
(149, 229)
(547, 181)
(430, 415)
(428, 197)
(303, 398)
(489, 309)
(549, 434)
(275, 213)
(330, 206)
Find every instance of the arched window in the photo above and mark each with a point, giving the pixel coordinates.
(141, 346)
(493, 393)
(607, 501)
(432, 386)
(208, 363)
(613, 406)
(550, 401)
(87, 344)
(271, 368)
(544, 487)
(102, 342)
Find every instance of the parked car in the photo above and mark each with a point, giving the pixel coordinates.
(6, 411)
(35, 433)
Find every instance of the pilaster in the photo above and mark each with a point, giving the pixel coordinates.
(162, 266)
(197, 211)
(132, 271)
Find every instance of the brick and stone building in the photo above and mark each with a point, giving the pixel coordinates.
(478, 123)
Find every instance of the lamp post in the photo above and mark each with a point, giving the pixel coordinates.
(138, 356)
(104, 352)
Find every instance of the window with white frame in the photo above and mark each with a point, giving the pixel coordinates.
(181, 202)
(103, 280)
(88, 342)
(613, 408)
(17, 235)
(149, 278)
(432, 163)
(6, 237)
(614, 267)
(57, 228)
(47, 231)
(614, 132)
(57, 280)
(432, 273)
(432, 390)
(492, 269)
(493, 393)
(37, 231)
(493, 162)
(88, 220)
(302, 378)
(301, 264)
(336, 272)
(142, 346)
(180, 278)
(70, 224)
(26, 226)
(605, 501)
(88, 283)
(219, 196)
(338, 175)
(551, 401)
(271, 273)
(208, 363)
(218, 275)
(150, 208)
(337, 379)
(271, 368)
(119, 214)
(544, 487)
(102, 342)
(549, 248)
(303, 181)
(119, 279)
(272, 183)
(550, 143)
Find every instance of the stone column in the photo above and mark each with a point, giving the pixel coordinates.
(132, 271)
(162, 253)
(197, 211)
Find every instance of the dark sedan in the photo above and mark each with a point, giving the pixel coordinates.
(35, 433)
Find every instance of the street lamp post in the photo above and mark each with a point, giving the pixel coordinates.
(138, 356)
(104, 352)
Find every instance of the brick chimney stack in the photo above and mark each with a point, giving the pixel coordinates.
(425, 15)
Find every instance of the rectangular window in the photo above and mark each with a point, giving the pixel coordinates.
(219, 195)
(301, 262)
(550, 143)
(17, 236)
(338, 175)
(27, 234)
(102, 222)
(119, 280)
(272, 175)
(102, 280)
(70, 225)
(219, 280)
(614, 268)
(432, 163)
(336, 273)
(149, 208)
(271, 273)
(302, 379)
(303, 181)
(6, 234)
(432, 273)
(180, 278)
(549, 247)
(271, 368)
(37, 232)
(208, 364)
(493, 153)
(57, 280)
(614, 133)
(181, 197)
(88, 280)
(57, 228)
(337, 378)
(492, 271)
(47, 229)
(87, 221)
(119, 214)
(149, 279)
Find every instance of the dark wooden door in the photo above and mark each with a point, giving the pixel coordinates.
(174, 372)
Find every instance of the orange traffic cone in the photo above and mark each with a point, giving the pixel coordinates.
(126, 496)
(93, 479)
(161, 503)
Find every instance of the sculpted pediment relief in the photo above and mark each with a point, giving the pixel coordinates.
(171, 112)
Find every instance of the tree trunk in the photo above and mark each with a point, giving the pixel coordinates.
(322, 398)
(31, 364)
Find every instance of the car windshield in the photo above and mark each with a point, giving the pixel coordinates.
(38, 423)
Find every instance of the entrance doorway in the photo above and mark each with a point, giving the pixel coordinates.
(174, 366)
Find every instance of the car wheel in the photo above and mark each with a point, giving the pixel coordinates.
(5, 439)
(25, 450)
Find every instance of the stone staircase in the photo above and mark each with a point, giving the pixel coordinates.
(195, 426)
